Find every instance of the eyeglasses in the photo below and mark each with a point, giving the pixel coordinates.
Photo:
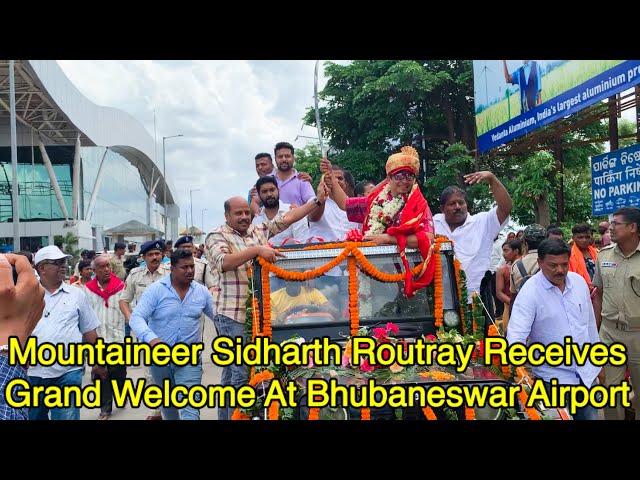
(403, 176)
(58, 263)
(614, 224)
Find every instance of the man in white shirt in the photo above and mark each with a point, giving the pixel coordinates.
(552, 305)
(473, 235)
(104, 293)
(67, 318)
(330, 222)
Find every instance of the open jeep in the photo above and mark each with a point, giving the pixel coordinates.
(344, 289)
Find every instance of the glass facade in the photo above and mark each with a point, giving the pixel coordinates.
(122, 196)
(37, 199)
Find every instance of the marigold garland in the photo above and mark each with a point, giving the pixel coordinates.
(314, 414)
(367, 267)
(521, 378)
(274, 410)
(457, 266)
(438, 305)
(428, 413)
(354, 307)
(469, 413)
(365, 413)
(354, 256)
(266, 303)
(239, 415)
(263, 376)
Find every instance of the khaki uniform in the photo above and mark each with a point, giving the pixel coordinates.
(117, 267)
(530, 263)
(618, 277)
(139, 279)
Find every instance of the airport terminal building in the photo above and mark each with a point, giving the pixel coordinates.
(82, 168)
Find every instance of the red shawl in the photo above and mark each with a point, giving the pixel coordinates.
(414, 217)
(113, 287)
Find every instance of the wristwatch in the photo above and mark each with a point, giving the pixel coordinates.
(317, 202)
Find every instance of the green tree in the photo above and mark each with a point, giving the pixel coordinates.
(308, 160)
(372, 107)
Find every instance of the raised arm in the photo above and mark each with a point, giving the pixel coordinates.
(500, 194)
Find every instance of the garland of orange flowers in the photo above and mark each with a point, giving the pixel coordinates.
(354, 257)
(367, 267)
(365, 413)
(428, 413)
(263, 376)
(456, 268)
(239, 415)
(521, 375)
(266, 303)
(314, 414)
(438, 304)
(469, 413)
(354, 313)
(274, 410)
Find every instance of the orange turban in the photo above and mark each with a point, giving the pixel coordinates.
(406, 159)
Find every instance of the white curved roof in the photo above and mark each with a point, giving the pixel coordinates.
(102, 126)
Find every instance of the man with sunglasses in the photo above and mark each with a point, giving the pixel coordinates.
(617, 300)
(394, 213)
(67, 318)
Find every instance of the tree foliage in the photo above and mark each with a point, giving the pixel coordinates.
(372, 107)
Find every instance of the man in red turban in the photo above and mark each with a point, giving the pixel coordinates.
(395, 212)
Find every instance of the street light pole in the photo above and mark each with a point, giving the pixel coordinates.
(191, 202)
(164, 176)
(203, 210)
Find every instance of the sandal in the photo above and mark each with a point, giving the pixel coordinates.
(154, 417)
(104, 416)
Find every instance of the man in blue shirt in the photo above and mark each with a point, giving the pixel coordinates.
(554, 304)
(529, 78)
(169, 311)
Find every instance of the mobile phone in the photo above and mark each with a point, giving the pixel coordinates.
(15, 274)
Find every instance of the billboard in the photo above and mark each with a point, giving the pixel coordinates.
(615, 180)
(515, 97)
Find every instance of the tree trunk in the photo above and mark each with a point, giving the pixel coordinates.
(448, 114)
(560, 175)
(542, 211)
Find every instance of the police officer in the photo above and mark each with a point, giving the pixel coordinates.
(186, 243)
(137, 281)
(117, 261)
(617, 301)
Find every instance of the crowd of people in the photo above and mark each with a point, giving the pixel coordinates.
(541, 287)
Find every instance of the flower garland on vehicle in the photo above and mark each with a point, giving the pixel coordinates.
(428, 413)
(384, 210)
(350, 251)
(438, 304)
(354, 314)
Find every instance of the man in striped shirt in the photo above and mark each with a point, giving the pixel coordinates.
(105, 292)
(230, 250)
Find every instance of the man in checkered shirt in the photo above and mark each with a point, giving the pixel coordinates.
(230, 250)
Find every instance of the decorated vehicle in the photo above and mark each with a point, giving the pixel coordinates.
(345, 290)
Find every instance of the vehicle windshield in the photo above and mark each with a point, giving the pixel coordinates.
(325, 300)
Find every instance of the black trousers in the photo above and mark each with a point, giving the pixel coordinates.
(117, 373)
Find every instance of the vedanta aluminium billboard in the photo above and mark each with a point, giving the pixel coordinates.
(515, 97)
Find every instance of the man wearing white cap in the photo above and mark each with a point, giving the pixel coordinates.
(67, 318)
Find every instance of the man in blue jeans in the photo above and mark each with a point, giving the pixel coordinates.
(67, 318)
(169, 311)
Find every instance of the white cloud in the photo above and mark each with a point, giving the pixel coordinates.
(227, 111)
